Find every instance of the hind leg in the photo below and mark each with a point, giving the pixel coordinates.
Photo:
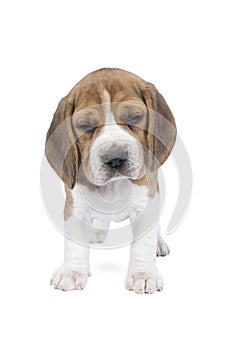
(99, 231)
(162, 247)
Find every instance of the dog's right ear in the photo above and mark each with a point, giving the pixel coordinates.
(60, 148)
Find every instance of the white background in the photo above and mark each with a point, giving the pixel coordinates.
(185, 49)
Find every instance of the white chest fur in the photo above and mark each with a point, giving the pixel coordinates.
(116, 201)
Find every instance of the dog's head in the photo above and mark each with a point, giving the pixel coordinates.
(112, 124)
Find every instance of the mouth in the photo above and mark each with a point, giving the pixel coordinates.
(116, 169)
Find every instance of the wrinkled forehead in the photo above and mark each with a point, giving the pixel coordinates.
(102, 95)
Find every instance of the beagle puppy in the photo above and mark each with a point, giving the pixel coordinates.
(107, 140)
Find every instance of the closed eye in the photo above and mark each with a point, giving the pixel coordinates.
(87, 127)
(133, 119)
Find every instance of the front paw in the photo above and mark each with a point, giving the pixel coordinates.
(69, 278)
(144, 282)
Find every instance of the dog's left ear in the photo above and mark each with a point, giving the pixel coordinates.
(161, 128)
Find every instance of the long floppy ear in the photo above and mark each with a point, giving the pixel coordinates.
(60, 148)
(161, 129)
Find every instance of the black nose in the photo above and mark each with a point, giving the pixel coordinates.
(116, 163)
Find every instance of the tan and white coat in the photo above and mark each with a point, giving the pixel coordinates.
(109, 111)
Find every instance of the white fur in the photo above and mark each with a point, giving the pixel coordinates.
(90, 222)
(117, 200)
(143, 276)
(73, 274)
(110, 137)
(108, 114)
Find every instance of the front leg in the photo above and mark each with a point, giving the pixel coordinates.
(143, 276)
(73, 274)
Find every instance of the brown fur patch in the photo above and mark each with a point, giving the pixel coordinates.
(68, 210)
(150, 180)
